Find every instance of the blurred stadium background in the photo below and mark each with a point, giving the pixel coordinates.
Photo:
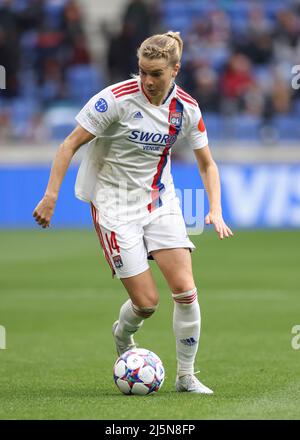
(238, 62)
(241, 61)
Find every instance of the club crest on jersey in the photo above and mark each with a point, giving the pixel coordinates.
(118, 261)
(176, 119)
(101, 105)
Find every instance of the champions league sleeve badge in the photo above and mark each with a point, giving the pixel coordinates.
(176, 119)
(101, 105)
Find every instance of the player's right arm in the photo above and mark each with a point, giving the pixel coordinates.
(45, 208)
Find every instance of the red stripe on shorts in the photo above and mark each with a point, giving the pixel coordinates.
(95, 217)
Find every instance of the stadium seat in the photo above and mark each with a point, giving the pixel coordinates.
(213, 125)
(288, 127)
(54, 12)
(60, 121)
(242, 128)
(272, 8)
(83, 81)
(178, 22)
(22, 111)
(296, 107)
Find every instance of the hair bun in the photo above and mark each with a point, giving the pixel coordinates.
(160, 46)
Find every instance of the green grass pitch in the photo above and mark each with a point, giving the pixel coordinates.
(58, 302)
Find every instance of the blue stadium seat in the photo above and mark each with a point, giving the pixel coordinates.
(213, 125)
(178, 22)
(288, 127)
(272, 8)
(83, 81)
(238, 12)
(174, 8)
(28, 85)
(60, 120)
(22, 110)
(54, 13)
(17, 5)
(296, 107)
(242, 128)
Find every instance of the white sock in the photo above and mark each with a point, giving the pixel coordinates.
(129, 321)
(186, 326)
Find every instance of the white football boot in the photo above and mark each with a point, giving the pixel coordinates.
(122, 345)
(191, 384)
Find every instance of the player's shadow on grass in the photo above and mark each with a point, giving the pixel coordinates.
(78, 393)
(73, 391)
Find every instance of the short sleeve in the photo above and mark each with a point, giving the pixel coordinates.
(196, 131)
(99, 113)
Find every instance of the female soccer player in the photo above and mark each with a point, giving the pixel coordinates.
(125, 175)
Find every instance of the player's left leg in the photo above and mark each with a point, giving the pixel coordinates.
(176, 266)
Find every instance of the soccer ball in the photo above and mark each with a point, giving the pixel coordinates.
(138, 371)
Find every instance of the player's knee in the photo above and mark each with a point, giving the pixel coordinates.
(145, 312)
(182, 286)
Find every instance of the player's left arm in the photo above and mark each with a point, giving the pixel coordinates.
(210, 176)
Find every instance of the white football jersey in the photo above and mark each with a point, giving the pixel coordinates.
(126, 171)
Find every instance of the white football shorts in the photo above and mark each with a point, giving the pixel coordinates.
(128, 246)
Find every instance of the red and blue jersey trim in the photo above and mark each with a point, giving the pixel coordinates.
(175, 107)
(186, 97)
(127, 88)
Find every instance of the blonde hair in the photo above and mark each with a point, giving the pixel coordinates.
(168, 46)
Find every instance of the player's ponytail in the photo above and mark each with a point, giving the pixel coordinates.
(168, 46)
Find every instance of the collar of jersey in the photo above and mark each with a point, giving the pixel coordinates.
(170, 95)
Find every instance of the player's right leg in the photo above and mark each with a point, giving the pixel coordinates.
(124, 249)
(142, 303)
